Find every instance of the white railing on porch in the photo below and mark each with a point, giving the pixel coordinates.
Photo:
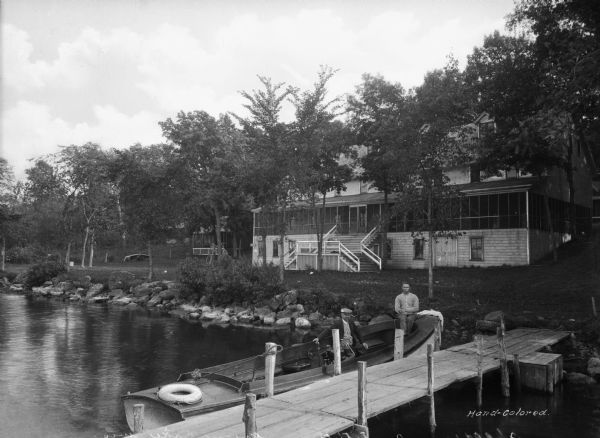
(364, 247)
(208, 251)
(333, 248)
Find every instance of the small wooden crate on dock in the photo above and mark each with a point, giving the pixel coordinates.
(541, 371)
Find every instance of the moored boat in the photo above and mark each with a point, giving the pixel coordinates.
(222, 386)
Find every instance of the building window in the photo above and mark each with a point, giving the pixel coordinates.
(419, 245)
(477, 248)
(275, 248)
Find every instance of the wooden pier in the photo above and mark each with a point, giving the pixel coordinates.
(330, 406)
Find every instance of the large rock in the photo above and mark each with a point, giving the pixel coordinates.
(245, 318)
(210, 316)
(120, 280)
(283, 321)
(188, 308)
(66, 286)
(142, 290)
(261, 312)
(56, 291)
(16, 288)
(154, 301)
(315, 316)
(94, 290)
(116, 293)
(99, 299)
(579, 379)
(224, 319)
(302, 323)
(123, 301)
(169, 294)
(269, 320)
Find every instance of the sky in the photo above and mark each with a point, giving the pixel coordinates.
(107, 71)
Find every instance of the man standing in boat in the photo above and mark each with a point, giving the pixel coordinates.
(406, 306)
(349, 337)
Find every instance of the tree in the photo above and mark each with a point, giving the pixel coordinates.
(271, 163)
(210, 153)
(7, 207)
(380, 120)
(508, 79)
(146, 180)
(319, 142)
(442, 107)
(85, 172)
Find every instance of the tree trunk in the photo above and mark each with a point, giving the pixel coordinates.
(429, 227)
(3, 254)
(320, 232)
(68, 257)
(281, 239)
(150, 263)
(92, 243)
(384, 229)
(235, 245)
(569, 170)
(550, 224)
(84, 249)
(122, 230)
(218, 232)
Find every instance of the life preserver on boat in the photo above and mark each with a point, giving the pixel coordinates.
(180, 393)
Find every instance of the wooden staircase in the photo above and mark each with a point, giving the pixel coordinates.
(352, 242)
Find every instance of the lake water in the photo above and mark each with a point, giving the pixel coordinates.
(63, 368)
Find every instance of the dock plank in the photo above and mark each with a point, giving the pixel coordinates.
(329, 406)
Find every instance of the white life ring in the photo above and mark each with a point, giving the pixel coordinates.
(180, 393)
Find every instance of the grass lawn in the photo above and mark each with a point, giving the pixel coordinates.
(554, 291)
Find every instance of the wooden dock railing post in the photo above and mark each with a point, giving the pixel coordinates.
(398, 343)
(249, 416)
(517, 372)
(138, 418)
(503, 361)
(479, 342)
(361, 427)
(270, 357)
(337, 352)
(430, 383)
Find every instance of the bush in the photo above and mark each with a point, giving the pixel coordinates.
(24, 254)
(320, 299)
(10, 276)
(38, 274)
(229, 281)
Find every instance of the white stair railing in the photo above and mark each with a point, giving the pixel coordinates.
(354, 260)
(364, 247)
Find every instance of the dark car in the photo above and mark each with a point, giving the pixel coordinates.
(135, 257)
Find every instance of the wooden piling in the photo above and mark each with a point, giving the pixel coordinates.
(517, 372)
(270, 356)
(430, 383)
(337, 352)
(594, 307)
(249, 416)
(361, 420)
(138, 418)
(479, 342)
(398, 344)
(503, 361)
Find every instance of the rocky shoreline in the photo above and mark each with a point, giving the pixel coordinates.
(282, 311)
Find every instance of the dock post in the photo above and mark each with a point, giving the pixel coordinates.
(430, 387)
(138, 418)
(337, 352)
(594, 308)
(503, 361)
(249, 416)
(479, 342)
(398, 343)
(517, 372)
(361, 426)
(270, 356)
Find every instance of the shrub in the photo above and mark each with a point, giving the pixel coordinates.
(10, 276)
(229, 280)
(39, 273)
(24, 254)
(319, 299)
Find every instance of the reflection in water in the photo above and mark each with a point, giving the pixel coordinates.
(63, 368)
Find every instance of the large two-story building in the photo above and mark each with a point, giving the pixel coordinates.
(501, 221)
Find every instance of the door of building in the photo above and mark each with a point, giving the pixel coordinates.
(358, 219)
(445, 251)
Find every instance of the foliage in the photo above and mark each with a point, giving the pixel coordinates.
(25, 254)
(230, 281)
(9, 275)
(320, 299)
(39, 273)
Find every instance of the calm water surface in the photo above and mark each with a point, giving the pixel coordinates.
(63, 368)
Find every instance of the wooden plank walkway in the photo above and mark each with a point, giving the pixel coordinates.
(330, 406)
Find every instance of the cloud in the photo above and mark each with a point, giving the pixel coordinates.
(31, 131)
